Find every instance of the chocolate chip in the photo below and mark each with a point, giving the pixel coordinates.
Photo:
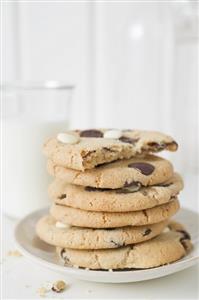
(160, 146)
(144, 168)
(63, 196)
(93, 189)
(163, 184)
(183, 240)
(63, 255)
(157, 146)
(90, 189)
(91, 133)
(184, 244)
(129, 140)
(186, 235)
(147, 232)
(117, 244)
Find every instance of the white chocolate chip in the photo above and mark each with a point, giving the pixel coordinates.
(166, 229)
(68, 138)
(61, 225)
(110, 270)
(113, 134)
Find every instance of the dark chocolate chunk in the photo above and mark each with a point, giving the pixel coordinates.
(145, 213)
(147, 232)
(186, 235)
(117, 244)
(160, 146)
(163, 184)
(62, 196)
(183, 240)
(93, 189)
(144, 168)
(157, 146)
(90, 189)
(65, 258)
(91, 133)
(184, 244)
(129, 140)
(62, 252)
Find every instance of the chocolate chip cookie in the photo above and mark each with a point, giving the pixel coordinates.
(166, 248)
(132, 198)
(86, 149)
(86, 238)
(91, 219)
(148, 170)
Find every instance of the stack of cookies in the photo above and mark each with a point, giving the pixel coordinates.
(113, 200)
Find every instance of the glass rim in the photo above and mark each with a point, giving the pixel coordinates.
(37, 85)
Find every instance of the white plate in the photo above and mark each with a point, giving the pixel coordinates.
(41, 253)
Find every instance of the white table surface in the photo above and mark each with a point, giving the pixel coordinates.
(22, 278)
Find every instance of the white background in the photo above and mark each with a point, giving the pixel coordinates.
(134, 65)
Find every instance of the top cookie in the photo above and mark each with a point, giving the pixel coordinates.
(86, 149)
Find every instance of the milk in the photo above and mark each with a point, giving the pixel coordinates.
(25, 179)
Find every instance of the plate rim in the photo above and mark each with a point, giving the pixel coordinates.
(168, 269)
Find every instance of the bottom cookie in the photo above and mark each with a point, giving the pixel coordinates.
(169, 246)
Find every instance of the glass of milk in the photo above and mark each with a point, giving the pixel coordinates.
(32, 112)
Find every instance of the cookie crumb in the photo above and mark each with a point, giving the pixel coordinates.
(15, 253)
(42, 291)
(59, 286)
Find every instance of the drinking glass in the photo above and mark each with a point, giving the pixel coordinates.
(32, 112)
